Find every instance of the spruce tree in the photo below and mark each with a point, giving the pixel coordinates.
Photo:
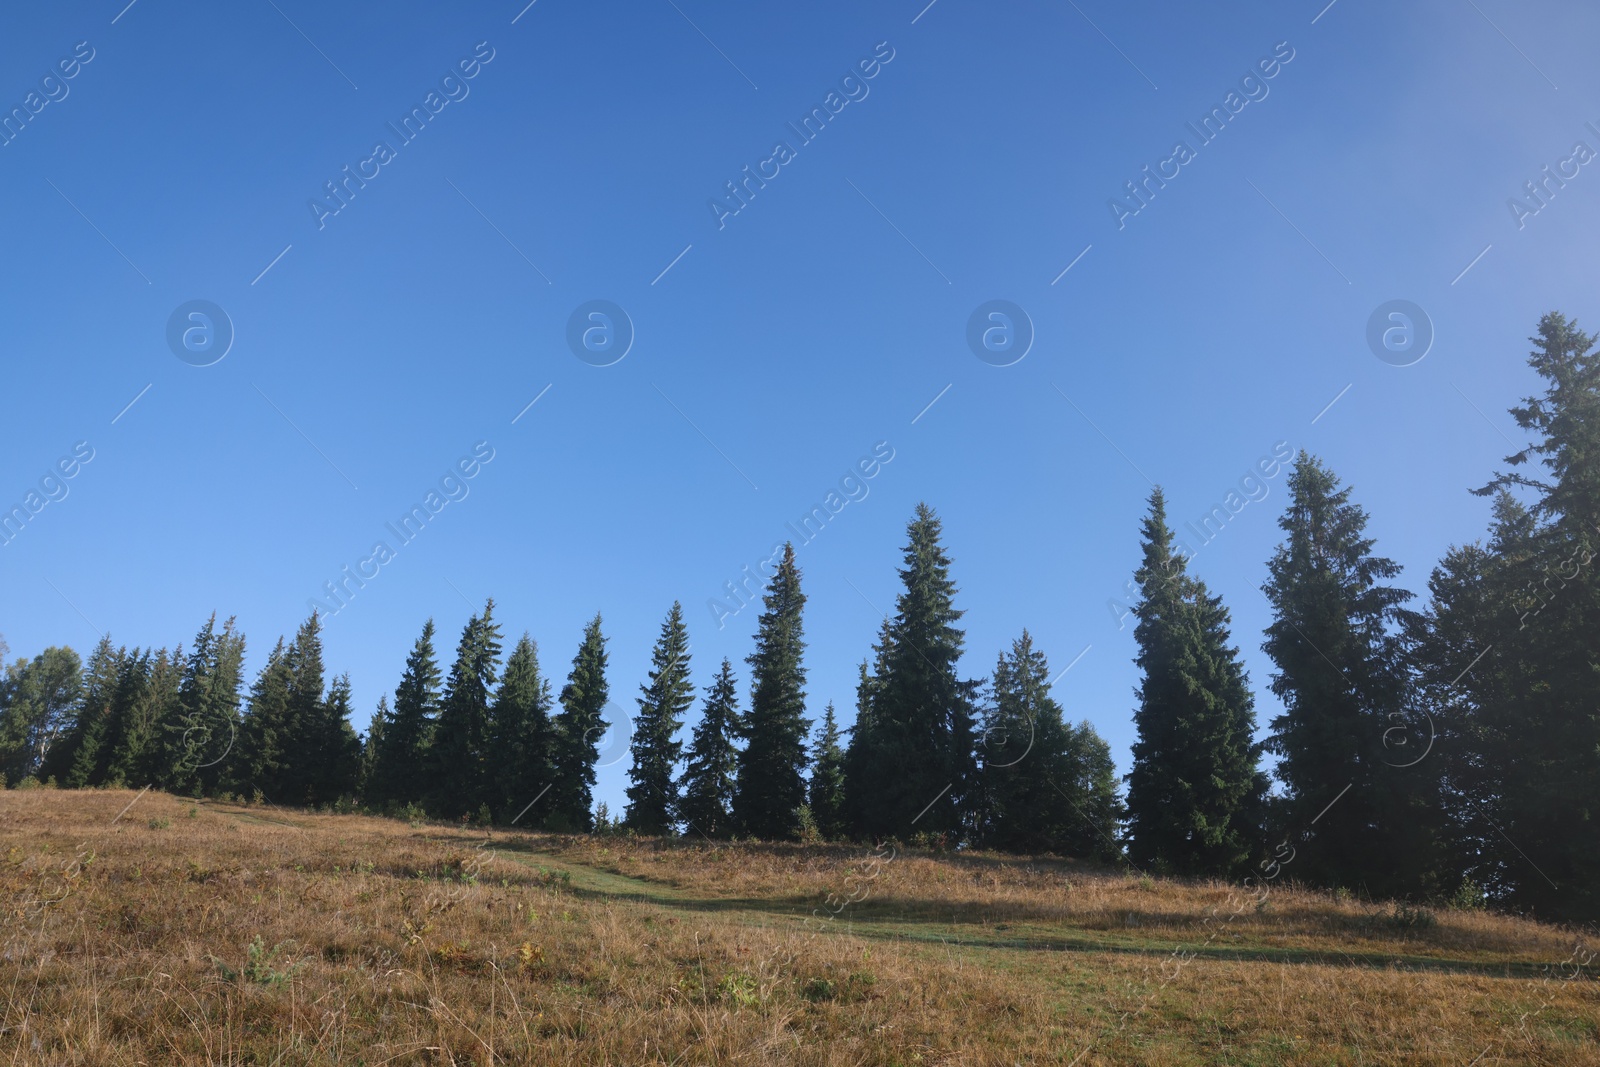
(304, 713)
(1195, 788)
(259, 763)
(663, 701)
(826, 791)
(579, 727)
(153, 701)
(336, 768)
(915, 769)
(521, 738)
(371, 748)
(713, 761)
(1343, 680)
(198, 740)
(771, 786)
(1045, 785)
(1530, 700)
(460, 752)
(402, 763)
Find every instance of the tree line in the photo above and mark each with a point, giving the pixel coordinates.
(1448, 749)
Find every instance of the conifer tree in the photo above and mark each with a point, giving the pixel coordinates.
(199, 738)
(826, 790)
(663, 701)
(1529, 805)
(1195, 789)
(521, 738)
(260, 757)
(402, 763)
(1046, 786)
(1343, 682)
(460, 752)
(915, 768)
(713, 761)
(153, 701)
(371, 747)
(771, 786)
(336, 768)
(304, 712)
(579, 728)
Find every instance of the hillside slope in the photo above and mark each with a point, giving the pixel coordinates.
(149, 928)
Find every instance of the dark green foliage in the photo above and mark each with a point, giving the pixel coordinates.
(826, 792)
(521, 735)
(1044, 786)
(663, 702)
(710, 780)
(371, 746)
(38, 703)
(260, 756)
(200, 736)
(335, 770)
(460, 776)
(400, 761)
(72, 760)
(153, 701)
(297, 781)
(1195, 788)
(913, 767)
(579, 727)
(1524, 799)
(771, 785)
(1343, 680)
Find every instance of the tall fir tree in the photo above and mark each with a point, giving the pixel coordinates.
(1530, 698)
(1342, 677)
(521, 738)
(825, 793)
(259, 763)
(710, 778)
(371, 747)
(460, 751)
(1045, 785)
(300, 759)
(771, 785)
(580, 726)
(914, 768)
(653, 796)
(335, 770)
(402, 764)
(1195, 789)
(198, 740)
(138, 758)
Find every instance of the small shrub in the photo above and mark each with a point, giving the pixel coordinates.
(29, 782)
(156, 823)
(259, 965)
(739, 988)
(1469, 896)
(1412, 917)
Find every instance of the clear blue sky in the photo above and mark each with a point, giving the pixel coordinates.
(578, 163)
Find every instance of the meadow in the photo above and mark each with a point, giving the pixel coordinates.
(148, 928)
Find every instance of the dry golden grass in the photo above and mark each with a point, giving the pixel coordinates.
(183, 933)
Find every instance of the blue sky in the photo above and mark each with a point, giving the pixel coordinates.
(375, 347)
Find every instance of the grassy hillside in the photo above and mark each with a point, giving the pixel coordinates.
(148, 928)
